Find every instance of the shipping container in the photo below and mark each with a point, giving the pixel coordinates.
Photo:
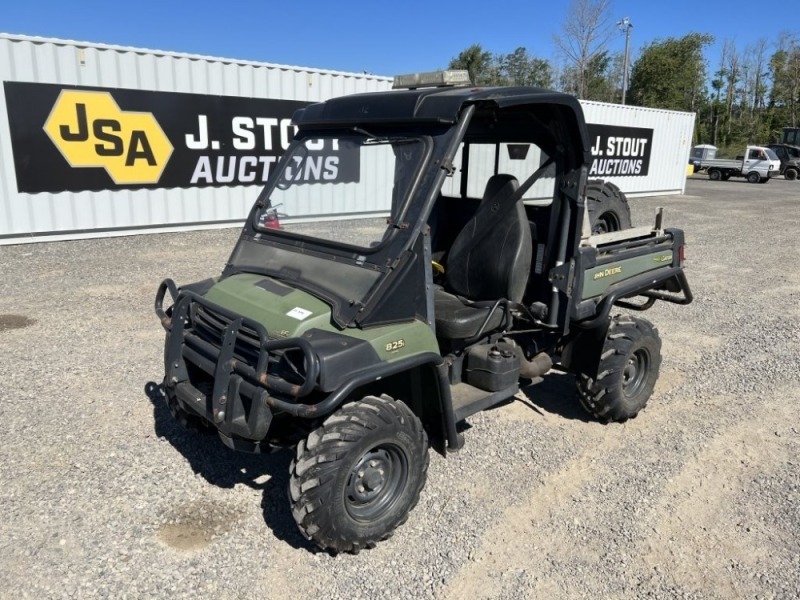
(662, 139)
(106, 140)
(644, 151)
(171, 82)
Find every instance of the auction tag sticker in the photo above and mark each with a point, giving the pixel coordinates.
(298, 313)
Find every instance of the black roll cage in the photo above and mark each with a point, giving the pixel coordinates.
(501, 115)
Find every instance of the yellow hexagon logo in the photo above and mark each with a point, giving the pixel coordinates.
(90, 130)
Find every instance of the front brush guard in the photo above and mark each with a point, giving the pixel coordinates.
(241, 403)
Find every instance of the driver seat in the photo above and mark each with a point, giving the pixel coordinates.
(489, 260)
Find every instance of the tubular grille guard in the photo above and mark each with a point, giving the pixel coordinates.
(212, 327)
(238, 328)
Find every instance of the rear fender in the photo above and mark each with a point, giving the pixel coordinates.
(581, 354)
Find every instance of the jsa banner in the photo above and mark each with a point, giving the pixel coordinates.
(72, 139)
(620, 151)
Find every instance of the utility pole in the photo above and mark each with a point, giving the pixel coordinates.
(625, 25)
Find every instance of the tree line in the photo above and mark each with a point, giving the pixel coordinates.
(748, 97)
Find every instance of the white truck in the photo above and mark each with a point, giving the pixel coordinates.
(757, 164)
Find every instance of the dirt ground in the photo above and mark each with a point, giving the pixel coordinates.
(104, 495)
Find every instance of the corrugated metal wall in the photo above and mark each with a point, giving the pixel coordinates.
(672, 141)
(86, 214)
(482, 165)
(74, 63)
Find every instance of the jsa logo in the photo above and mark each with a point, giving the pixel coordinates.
(90, 130)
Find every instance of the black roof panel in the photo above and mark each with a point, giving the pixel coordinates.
(428, 104)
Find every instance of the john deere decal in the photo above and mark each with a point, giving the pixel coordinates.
(73, 139)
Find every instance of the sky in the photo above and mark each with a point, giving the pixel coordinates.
(383, 38)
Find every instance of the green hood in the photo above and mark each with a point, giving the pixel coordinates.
(287, 312)
(283, 310)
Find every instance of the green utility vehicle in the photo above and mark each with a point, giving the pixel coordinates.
(362, 342)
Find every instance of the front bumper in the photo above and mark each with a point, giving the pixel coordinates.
(217, 366)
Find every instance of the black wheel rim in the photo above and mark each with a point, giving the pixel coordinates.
(606, 223)
(375, 482)
(634, 375)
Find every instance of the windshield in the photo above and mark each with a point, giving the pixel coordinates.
(341, 188)
(771, 154)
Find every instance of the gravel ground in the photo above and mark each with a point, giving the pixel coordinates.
(103, 495)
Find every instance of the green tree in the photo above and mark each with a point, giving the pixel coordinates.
(784, 69)
(751, 124)
(715, 109)
(479, 63)
(601, 78)
(671, 73)
(516, 68)
(520, 68)
(600, 84)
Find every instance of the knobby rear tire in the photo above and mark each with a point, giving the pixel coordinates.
(627, 373)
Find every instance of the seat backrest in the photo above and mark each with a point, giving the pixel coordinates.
(491, 257)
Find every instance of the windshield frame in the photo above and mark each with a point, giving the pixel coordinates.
(325, 245)
(376, 262)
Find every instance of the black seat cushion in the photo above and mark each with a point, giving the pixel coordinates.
(491, 257)
(490, 260)
(458, 321)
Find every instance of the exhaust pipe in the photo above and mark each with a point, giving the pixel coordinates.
(535, 367)
(528, 369)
